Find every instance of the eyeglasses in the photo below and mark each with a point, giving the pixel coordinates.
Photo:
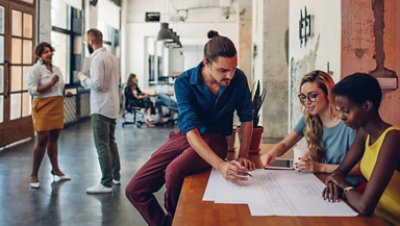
(312, 97)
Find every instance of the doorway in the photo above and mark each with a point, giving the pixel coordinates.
(17, 32)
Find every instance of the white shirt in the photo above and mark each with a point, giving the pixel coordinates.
(103, 84)
(39, 74)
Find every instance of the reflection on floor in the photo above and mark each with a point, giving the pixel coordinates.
(66, 203)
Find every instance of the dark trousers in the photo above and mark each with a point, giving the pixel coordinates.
(107, 149)
(169, 164)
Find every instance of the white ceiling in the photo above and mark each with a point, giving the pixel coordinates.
(196, 4)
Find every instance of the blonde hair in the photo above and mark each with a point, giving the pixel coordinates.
(314, 128)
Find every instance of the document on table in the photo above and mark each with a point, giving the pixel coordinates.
(276, 193)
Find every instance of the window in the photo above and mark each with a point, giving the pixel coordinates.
(66, 38)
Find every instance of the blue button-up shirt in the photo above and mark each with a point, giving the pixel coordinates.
(199, 108)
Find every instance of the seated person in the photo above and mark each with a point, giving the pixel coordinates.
(376, 147)
(328, 138)
(168, 101)
(137, 98)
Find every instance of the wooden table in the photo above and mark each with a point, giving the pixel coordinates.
(192, 211)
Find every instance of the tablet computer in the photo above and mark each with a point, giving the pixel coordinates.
(281, 163)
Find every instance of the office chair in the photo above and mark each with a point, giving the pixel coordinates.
(131, 108)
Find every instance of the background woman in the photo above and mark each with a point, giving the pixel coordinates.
(377, 145)
(46, 86)
(328, 138)
(138, 98)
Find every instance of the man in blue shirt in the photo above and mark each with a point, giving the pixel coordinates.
(207, 97)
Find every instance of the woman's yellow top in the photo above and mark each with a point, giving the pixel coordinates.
(389, 204)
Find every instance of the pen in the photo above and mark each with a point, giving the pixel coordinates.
(248, 174)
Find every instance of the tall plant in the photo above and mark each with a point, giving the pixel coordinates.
(258, 100)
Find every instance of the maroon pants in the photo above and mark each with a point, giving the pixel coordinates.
(169, 164)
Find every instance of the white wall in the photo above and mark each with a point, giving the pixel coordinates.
(323, 47)
(258, 39)
(109, 13)
(44, 21)
(176, 58)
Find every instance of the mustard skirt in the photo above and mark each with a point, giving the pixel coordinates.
(48, 113)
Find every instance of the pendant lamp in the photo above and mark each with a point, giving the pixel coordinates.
(165, 34)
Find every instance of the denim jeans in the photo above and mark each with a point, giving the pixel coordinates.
(107, 150)
(167, 101)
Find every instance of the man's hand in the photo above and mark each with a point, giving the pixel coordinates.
(234, 171)
(81, 75)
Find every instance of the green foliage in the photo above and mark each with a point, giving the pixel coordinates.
(258, 100)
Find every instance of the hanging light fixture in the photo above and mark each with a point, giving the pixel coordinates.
(165, 34)
(173, 41)
(176, 43)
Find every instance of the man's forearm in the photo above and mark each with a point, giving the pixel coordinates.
(203, 149)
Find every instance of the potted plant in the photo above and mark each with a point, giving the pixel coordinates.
(258, 100)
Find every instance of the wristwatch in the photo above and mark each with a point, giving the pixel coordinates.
(346, 189)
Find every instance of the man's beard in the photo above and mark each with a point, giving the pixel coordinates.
(90, 49)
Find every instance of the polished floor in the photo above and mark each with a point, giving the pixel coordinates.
(66, 202)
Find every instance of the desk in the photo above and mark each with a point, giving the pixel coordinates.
(191, 210)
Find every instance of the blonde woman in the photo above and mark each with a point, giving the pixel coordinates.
(328, 138)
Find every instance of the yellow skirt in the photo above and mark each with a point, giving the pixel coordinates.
(48, 113)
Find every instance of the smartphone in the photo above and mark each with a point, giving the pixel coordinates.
(281, 163)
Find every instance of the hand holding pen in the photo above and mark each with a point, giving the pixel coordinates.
(234, 171)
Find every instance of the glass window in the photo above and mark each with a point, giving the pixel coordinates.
(16, 78)
(29, 1)
(1, 79)
(1, 49)
(25, 77)
(28, 25)
(61, 56)
(66, 36)
(108, 47)
(77, 45)
(16, 50)
(26, 104)
(15, 106)
(27, 52)
(1, 20)
(16, 23)
(59, 14)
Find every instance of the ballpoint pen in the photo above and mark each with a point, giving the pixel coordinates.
(248, 174)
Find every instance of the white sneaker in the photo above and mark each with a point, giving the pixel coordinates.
(99, 189)
(116, 182)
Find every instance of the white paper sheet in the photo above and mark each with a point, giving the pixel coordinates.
(276, 192)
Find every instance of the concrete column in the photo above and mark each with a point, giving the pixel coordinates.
(245, 38)
(275, 67)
